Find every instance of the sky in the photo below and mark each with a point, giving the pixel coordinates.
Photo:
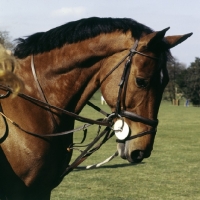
(25, 17)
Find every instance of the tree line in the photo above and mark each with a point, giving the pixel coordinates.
(184, 81)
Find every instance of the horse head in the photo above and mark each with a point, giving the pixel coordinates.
(134, 94)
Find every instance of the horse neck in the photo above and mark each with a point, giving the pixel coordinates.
(70, 75)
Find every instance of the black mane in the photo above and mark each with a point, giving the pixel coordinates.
(76, 31)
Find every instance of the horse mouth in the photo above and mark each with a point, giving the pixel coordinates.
(135, 156)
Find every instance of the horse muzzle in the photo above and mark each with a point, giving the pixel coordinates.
(134, 156)
(138, 146)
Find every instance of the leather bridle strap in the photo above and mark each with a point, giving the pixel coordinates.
(88, 151)
(111, 71)
(57, 109)
(142, 54)
(40, 90)
(125, 76)
(137, 118)
(36, 80)
(120, 107)
(152, 131)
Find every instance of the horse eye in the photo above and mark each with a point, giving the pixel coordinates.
(141, 82)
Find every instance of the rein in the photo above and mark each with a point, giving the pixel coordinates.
(107, 122)
(50, 107)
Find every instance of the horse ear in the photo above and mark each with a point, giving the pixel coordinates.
(157, 42)
(172, 41)
(156, 38)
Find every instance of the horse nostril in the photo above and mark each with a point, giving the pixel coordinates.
(137, 156)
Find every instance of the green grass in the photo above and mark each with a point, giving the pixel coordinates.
(171, 173)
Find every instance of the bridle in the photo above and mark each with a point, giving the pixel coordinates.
(108, 121)
(122, 86)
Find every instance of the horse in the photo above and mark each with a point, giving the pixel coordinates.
(61, 69)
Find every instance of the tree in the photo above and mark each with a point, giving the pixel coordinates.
(173, 90)
(5, 40)
(183, 81)
(192, 82)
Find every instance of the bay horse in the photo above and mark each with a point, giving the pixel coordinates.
(61, 69)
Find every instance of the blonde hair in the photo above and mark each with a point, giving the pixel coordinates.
(7, 77)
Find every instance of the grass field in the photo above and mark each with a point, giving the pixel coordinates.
(171, 173)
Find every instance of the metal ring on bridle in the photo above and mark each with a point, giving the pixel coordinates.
(115, 115)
